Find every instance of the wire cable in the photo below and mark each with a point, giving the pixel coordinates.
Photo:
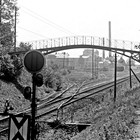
(41, 18)
(32, 32)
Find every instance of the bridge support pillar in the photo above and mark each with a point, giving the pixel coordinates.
(115, 77)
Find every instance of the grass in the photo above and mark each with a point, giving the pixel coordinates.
(113, 122)
(109, 121)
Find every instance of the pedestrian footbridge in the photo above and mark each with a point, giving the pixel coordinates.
(126, 48)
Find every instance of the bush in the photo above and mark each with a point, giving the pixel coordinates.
(53, 81)
(113, 121)
(53, 78)
(10, 68)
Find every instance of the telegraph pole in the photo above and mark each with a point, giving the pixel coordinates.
(64, 60)
(0, 27)
(15, 29)
(109, 37)
(93, 63)
(103, 50)
(130, 72)
(0, 11)
(115, 77)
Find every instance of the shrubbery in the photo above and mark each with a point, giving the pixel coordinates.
(10, 68)
(53, 80)
(52, 77)
(113, 121)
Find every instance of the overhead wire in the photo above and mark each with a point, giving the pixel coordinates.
(49, 22)
(33, 32)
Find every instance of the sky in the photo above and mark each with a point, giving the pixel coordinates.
(45, 19)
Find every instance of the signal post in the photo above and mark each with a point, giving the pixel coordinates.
(34, 62)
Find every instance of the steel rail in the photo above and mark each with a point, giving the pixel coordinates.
(40, 105)
(89, 92)
(74, 98)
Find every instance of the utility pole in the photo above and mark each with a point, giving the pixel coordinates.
(109, 37)
(15, 29)
(92, 63)
(64, 60)
(0, 28)
(130, 72)
(115, 77)
(0, 11)
(103, 50)
(67, 60)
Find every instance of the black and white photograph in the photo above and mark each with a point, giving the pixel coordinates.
(69, 70)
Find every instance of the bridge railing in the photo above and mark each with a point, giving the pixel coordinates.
(83, 40)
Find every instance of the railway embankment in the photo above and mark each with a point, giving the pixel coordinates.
(137, 126)
(116, 121)
(108, 120)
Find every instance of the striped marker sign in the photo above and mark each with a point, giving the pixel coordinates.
(19, 127)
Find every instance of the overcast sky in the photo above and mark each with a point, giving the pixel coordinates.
(44, 19)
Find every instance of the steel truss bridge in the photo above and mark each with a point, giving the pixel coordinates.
(126, 48)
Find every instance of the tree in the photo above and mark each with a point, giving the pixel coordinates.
(53, 80)
(121, 61)
(87, 52)
(52, 76)
(10, 68)
(7, 14)
(24, 46)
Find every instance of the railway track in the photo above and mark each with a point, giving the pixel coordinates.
(54, 104)
(78, 96)
(43, 103)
